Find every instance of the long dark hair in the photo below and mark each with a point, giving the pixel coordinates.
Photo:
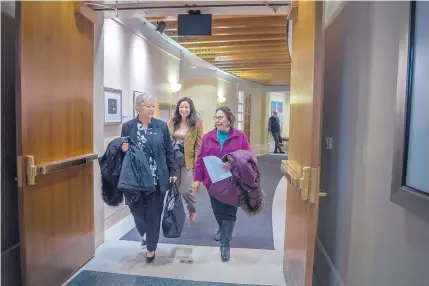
(192, 118)
(229, 114)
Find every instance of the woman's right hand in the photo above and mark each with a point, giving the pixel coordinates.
(196, 186)
(124, 147)
(227, 166)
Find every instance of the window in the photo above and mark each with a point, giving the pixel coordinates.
(410, 181)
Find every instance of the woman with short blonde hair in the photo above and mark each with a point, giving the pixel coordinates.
(152, 136)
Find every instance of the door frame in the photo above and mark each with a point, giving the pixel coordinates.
(162, 103)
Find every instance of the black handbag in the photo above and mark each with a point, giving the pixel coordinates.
(174, 216)
(179, 154)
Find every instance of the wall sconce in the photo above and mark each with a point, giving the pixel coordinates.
(220, 97)
(175, 87)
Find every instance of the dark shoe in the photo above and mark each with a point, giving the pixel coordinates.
(150, 259)
(225, 239)
(282, 152)
(217, 235)
(143, 244)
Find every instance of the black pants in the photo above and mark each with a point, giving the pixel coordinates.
(223, 211)
(276, 136)
(147, 211)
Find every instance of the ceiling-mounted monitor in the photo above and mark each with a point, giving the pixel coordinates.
(194, 25)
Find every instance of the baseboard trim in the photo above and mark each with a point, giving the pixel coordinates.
(333, 278)
(116, 217)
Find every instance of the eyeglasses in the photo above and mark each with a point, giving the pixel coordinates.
(218, 117)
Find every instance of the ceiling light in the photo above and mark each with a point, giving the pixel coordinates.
(175, 87)
(160, 27)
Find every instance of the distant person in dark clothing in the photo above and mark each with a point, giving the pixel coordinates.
(274, 130)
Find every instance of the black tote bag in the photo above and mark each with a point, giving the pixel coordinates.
(174, 214)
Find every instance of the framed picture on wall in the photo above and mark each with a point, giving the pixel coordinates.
(112, 106)
(135, 94)
(276, 106)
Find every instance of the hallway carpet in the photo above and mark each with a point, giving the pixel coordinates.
(95, 278)
(254, 232)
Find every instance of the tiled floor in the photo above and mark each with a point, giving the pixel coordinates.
(247, 266)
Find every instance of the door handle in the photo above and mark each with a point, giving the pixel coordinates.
(296, 176)
(304, 178)
(32, 170)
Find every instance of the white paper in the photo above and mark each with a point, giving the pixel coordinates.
(214, 166)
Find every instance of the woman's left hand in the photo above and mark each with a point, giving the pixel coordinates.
(227, 166)
(173, 179)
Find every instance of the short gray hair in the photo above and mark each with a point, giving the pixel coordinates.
(142, 98)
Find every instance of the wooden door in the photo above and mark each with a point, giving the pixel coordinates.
(54, 111)
(247, 114)
(163, 111)
(302, 167)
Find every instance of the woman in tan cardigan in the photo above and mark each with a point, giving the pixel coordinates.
(187, 130)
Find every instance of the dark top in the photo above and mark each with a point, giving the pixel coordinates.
(142, 140)
(274, 125)
(159, 141)
(124, 174)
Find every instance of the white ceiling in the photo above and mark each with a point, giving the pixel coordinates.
(280, 94)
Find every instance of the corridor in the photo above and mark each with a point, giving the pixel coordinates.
(331, 97)
(257, 255)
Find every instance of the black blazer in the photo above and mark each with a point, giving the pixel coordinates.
(162, 146)
(274, 124)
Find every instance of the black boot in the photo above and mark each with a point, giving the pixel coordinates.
(217, 235)
(225, 239)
